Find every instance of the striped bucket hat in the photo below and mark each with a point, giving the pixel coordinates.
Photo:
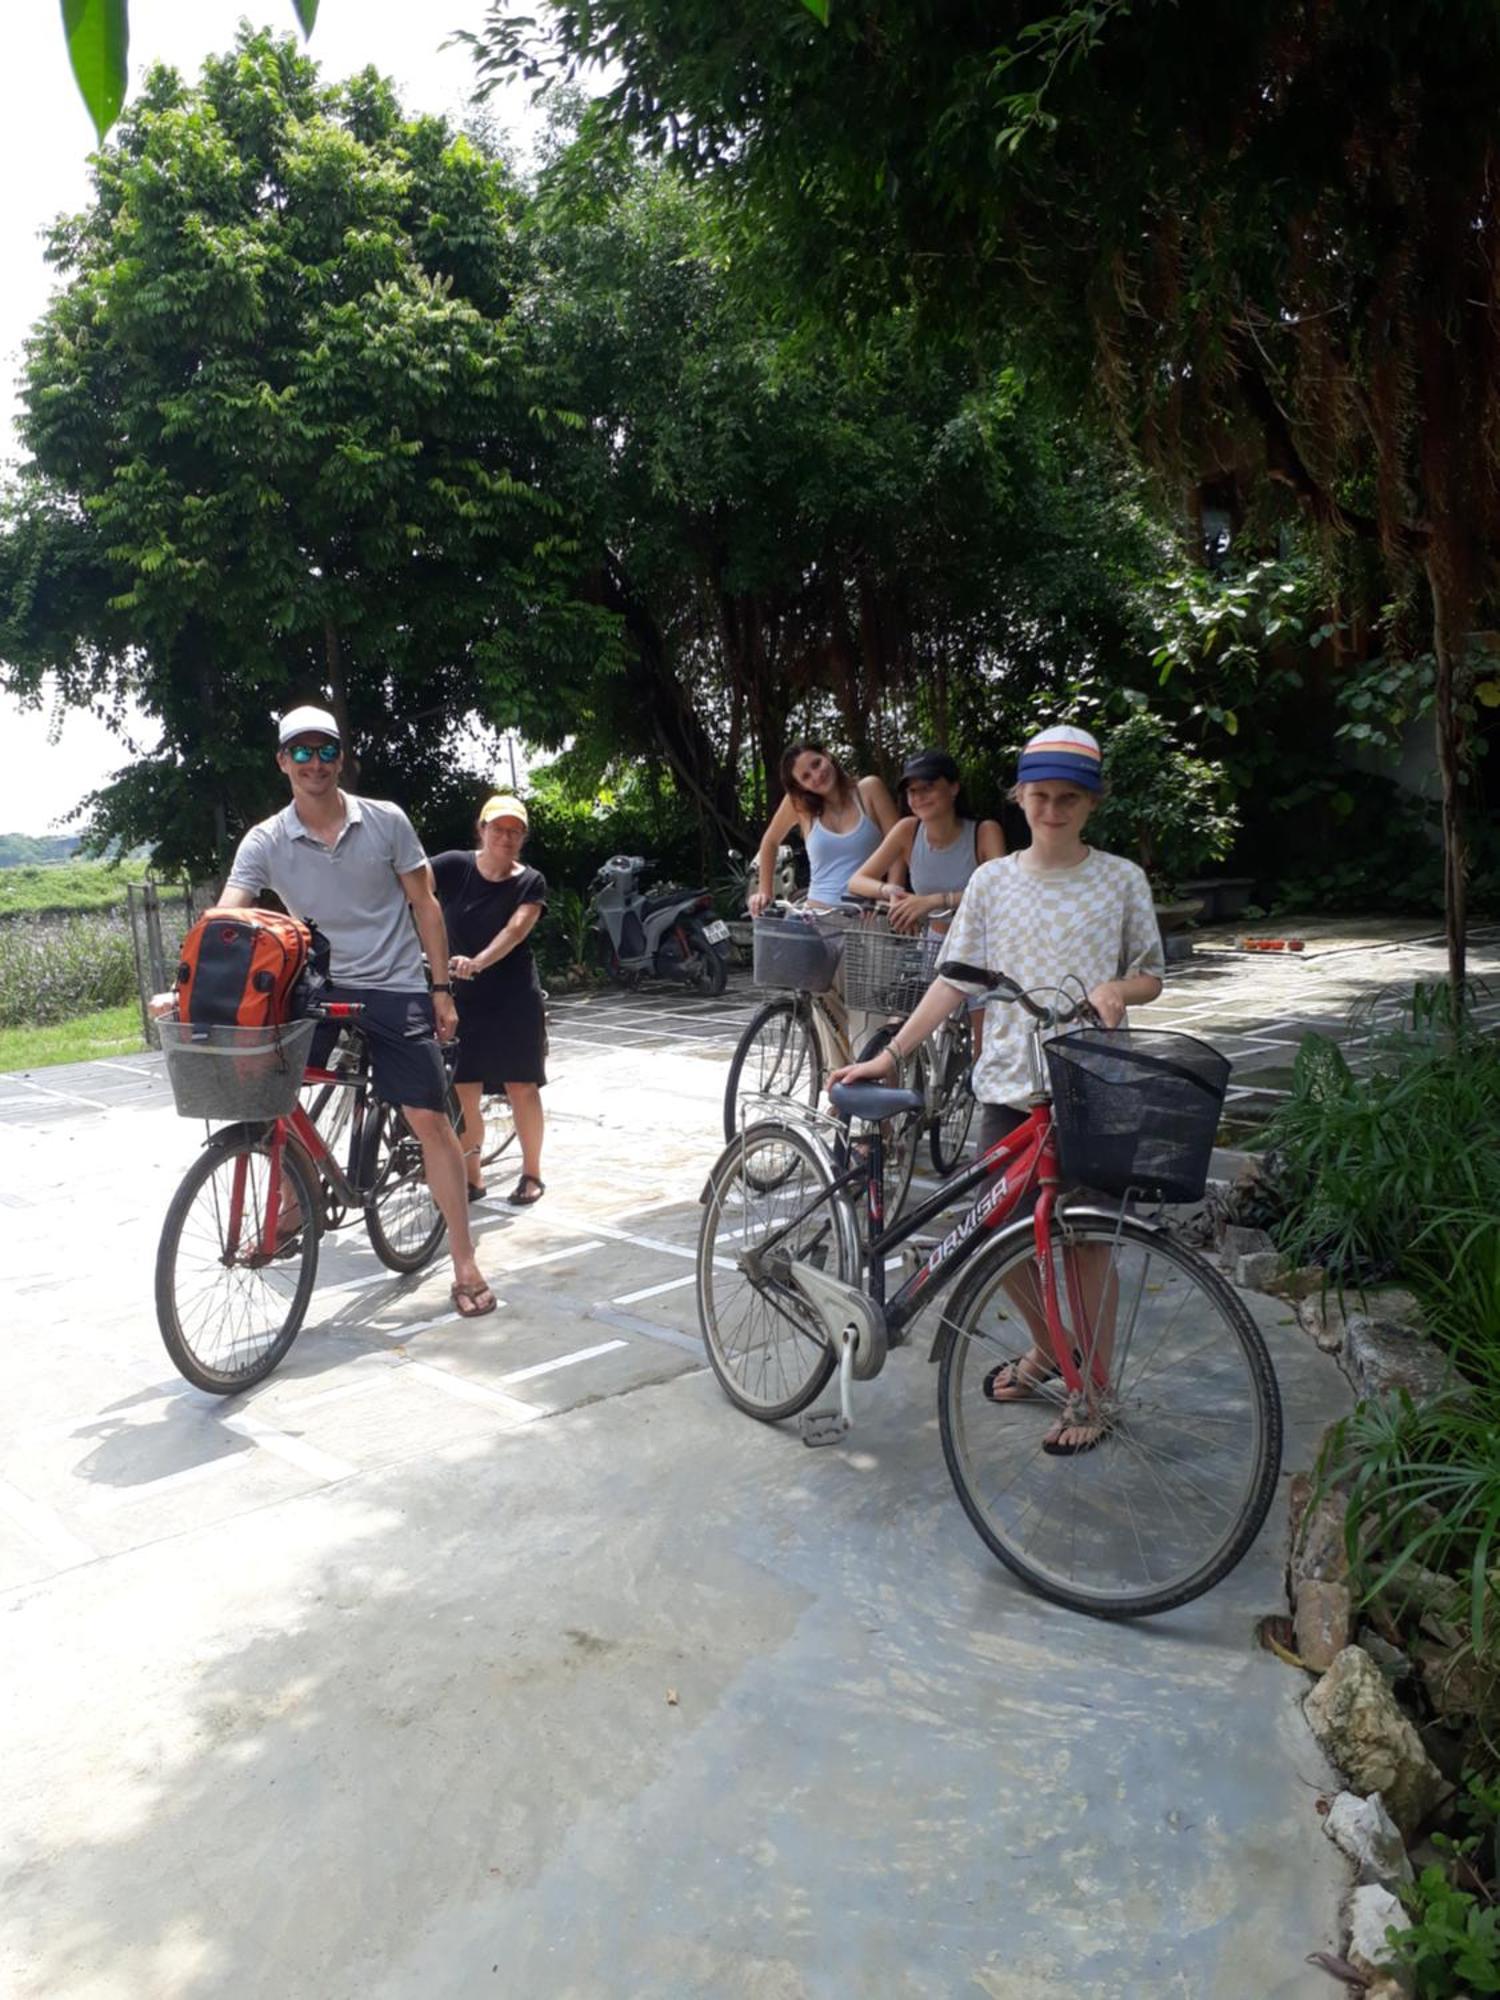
(1067, 756)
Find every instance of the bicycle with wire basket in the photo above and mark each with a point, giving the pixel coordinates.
(794, 1040)
(238, 1254)
(1134, 1452)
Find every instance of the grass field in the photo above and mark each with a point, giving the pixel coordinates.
(38, 888)
(115, 1032)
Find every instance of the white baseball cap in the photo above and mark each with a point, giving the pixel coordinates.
(307, 722)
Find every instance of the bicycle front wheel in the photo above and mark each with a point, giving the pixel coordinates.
(770, 1202)
(1184, 1411)
(777, 1057)
(227, 1313)
(405, 1224)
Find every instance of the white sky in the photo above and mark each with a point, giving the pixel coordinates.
(45, 139)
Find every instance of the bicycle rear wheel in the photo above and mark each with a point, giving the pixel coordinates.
(227, 1315)
(499, 1127)
(1188, 1420)
(405, 1224)
(902, 1135)
(777, 1057)
(955, 1097)
(764, 1341)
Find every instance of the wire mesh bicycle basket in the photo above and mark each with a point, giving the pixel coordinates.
(1136, 1109)
(799, 951)
(225, 1072)
(886, 973)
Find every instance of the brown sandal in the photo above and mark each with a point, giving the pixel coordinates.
(466, 1299)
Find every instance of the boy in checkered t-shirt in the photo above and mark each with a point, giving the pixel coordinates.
(1055, 911)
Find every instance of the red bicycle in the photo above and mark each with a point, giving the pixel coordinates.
(1136, 1464)
(239, 1247)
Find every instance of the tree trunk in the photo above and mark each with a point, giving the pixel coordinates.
(1448, 645)
(339, 697)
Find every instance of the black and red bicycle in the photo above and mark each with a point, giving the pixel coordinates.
(238, 1254)
(1134, 1451)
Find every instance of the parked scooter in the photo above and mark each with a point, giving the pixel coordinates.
(670, 934)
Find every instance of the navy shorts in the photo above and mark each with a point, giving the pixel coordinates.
(406, 1062)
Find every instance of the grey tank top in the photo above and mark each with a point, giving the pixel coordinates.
(834, 857)
(935, 870)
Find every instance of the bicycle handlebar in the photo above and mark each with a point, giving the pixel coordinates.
(1005, 988)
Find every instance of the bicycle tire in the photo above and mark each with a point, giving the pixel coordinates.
(499, 1127)
(764, 1343)
(404, 1223)
(948, 1137)
(226, 1329)
(777, 1056)
(713, 974)
(902, 1135)
(1194, 1417)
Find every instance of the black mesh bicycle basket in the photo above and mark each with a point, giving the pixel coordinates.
(885, 972)
(1136, 1109)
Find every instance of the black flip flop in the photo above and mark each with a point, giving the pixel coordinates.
(519, 1198)
(1030, 1383)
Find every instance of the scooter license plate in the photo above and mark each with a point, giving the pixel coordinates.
(716, 933)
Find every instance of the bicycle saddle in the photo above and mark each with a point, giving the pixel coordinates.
(874, 1101)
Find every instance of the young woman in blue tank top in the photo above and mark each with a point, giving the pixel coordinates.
(923, 865)
(842, 820)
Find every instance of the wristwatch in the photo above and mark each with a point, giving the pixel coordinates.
(440, 987)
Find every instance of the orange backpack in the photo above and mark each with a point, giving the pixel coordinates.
(240, 968)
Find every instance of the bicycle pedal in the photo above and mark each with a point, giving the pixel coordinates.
(823, 1427)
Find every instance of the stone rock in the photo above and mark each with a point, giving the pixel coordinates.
(1238, 1241)
(1257, 1270)
(1392, 1662)
(1392, 1302)
(1353, 1714)
(1389, 1986)
(1318, 1541)
(1306, 1282)
(1370, 1837)
(1372, 1911)
(1320, 1619)
(1457, 1685)
(1323, 1317)
(1381, 1356)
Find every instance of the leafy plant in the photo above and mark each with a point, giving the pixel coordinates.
(53, 971)
(1171, 810)
(1453, 1944)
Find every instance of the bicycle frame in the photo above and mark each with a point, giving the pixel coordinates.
(1003, 1174)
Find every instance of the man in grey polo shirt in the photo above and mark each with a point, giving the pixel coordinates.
(354, 868)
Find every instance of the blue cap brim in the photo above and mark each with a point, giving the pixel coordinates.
(1078, 771)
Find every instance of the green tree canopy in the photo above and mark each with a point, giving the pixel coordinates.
(285, 443)
(1261, 237)
(864, 539)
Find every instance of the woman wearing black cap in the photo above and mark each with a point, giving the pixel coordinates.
(937, 845)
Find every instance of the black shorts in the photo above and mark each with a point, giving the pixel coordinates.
(406, 1063)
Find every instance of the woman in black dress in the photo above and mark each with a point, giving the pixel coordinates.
(491, 901)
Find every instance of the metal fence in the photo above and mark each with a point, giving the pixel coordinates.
(161, 915)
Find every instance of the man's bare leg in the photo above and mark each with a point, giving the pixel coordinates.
(443, 1159)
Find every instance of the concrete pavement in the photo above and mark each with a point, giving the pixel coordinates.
(508, 1658)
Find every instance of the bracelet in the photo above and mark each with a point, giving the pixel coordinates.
(893, 1051)
(443, 988)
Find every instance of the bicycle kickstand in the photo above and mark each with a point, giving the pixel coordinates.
(855, 1327)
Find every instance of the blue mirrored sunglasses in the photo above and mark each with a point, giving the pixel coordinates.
(303, 753)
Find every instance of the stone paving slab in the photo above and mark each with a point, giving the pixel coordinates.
(358, 1685)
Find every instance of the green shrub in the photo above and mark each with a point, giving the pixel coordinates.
(54, 970)
(1387, 1174)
